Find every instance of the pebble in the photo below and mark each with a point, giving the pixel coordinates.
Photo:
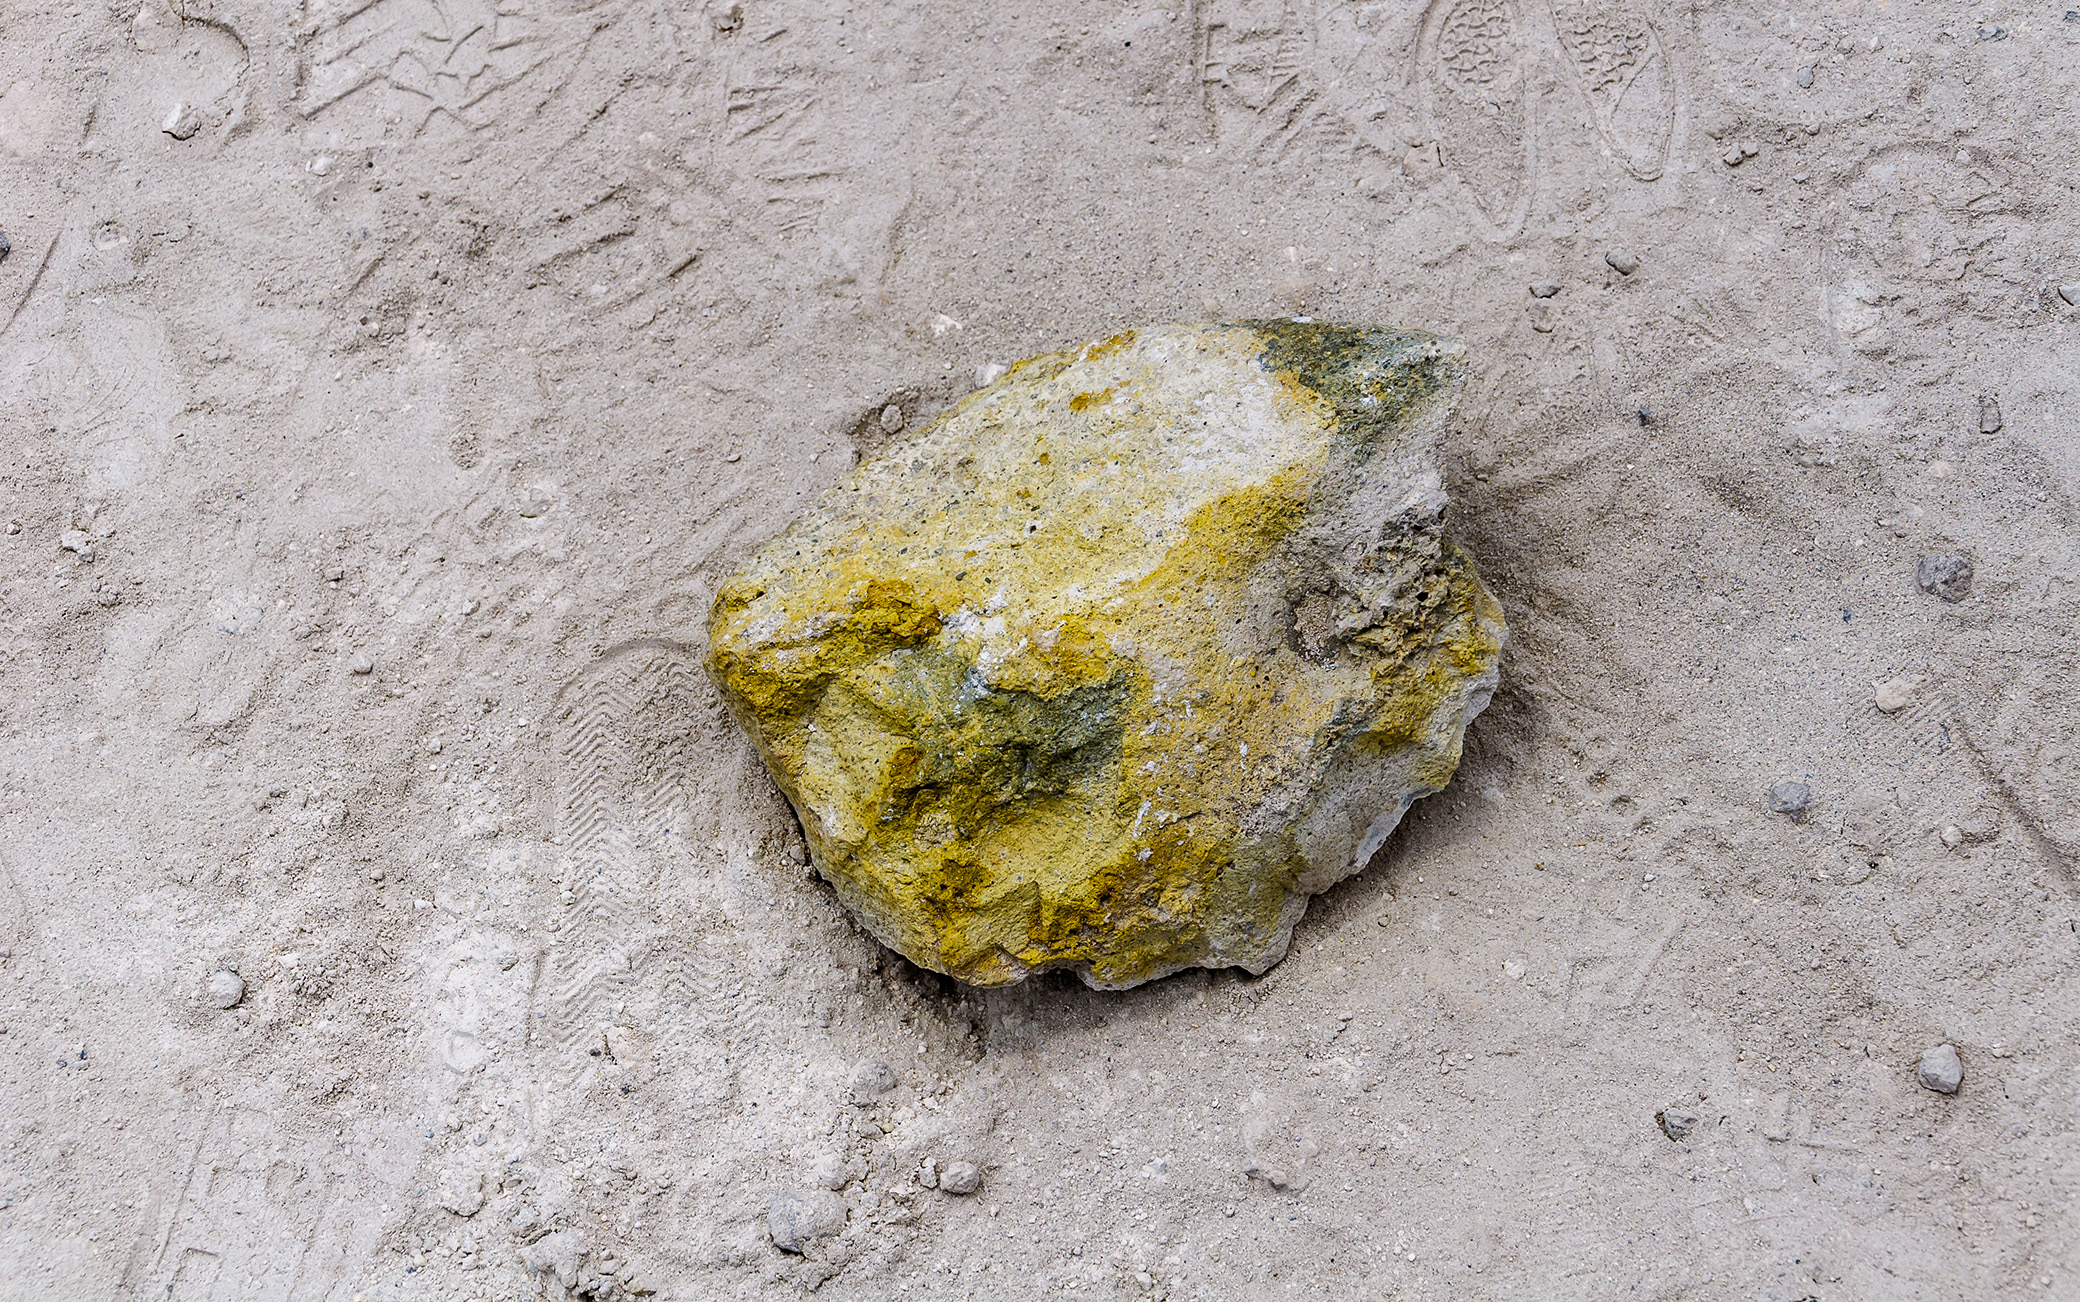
(960, 1178)
(2070, 293)
(1993, 32)
(76, 542)
(989, 373)
(871, 1079)
(1805, 78)
(7, 247)
(1544, 288)
(796, 1218)
(891, 419)
(362, 663)
(182, 123)
(226, 988)
(1945, 576)
(1622, 261)
(1894, 694)
(1676, 1123)
(1789, 797)
(461, 1192)
(1989, 415)
(828, 1172)
(1941, 1070)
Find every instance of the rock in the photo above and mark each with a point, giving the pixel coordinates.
(828, 1172)
(7, 247)
(1120, 660)
(1544, 288)
(1948, 577)
(891, 419)
(77, 542)
(960, 1178)
(796, 1218)
(871, 1079)
(2070, 293)
(1622, 261)
(1941, 1069)
(362, 663)
(561, 1254)
(226, 988)
(1789, 797)
(461, 1192)
(1989, 415)
(1805, 78)
(1895, 694)
(1676, 1123)
(182, 123)
(989, 373)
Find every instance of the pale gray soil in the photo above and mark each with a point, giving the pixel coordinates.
(472, 341)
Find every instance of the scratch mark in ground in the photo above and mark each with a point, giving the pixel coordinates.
(1646, 963)
(35, 279)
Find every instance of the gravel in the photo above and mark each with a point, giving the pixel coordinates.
(960, 1178)
(1622, 261)
(1676, 1123)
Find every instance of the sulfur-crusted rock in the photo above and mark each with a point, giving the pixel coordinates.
(1115, 664)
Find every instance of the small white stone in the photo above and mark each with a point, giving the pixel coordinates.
(1895, 694)
(828, 1172)
(182, 123)
(797, 1219)
(960, 1178)
(226, 988)
(462, 1192)
(362, 663)
(871, 1079)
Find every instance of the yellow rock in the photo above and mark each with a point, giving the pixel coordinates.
(1115, 664)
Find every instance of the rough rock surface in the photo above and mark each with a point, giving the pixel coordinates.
(1941, 1069)
(797, 1218)
(1119, 661)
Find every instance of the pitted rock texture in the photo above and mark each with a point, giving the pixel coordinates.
(1116, 663)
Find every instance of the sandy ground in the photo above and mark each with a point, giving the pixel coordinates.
(385, 386)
